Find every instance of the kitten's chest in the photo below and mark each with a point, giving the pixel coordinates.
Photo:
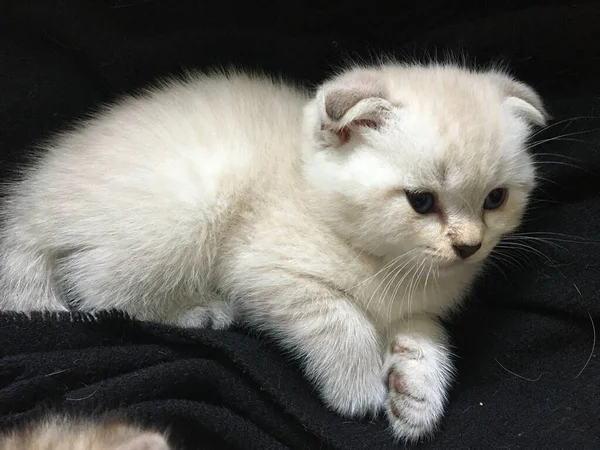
(392, 296)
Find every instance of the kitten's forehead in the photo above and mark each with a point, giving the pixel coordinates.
(457, 88)
(446, 151)
(454, 129)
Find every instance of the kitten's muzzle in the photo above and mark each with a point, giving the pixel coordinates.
(465, 251)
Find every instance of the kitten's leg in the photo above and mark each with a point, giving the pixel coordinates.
(418, 372)
(215, 313)
(338, 348)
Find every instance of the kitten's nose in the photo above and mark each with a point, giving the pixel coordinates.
(464, 251)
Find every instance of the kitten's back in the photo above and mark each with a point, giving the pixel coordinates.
(152, 179)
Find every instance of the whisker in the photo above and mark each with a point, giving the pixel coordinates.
(509, 259)
(519, 252)
(561, 136)
(554, 163)
(593, 339)
(404, 296)
(570, 236)
(491, 260)
(386, 266)
(559, 163)
(524, 247)
(413, 286)
(394, 274)
(388, 287)
(520, 239)
(570, 120)
(425, 284)
(559, 155)
(520, 376)
(556, 138)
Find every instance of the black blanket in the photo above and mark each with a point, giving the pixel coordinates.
(525, 346)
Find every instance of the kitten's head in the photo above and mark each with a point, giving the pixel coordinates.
(426, 161)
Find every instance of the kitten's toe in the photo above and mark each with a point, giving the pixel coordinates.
(416, 396)
(357, 399)
(354, 389)
(220, 319)
(216, 318)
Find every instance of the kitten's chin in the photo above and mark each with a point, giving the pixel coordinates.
(450, 266)
(458, 265)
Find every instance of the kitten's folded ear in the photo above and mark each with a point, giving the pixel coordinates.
(523, 100)
(350, 101)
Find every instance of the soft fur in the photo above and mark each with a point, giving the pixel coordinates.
(57, 432)
(231, 197)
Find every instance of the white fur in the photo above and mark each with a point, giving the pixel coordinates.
(237, 198)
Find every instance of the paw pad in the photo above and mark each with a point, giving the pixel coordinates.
(394, 409)
(406, 351)
(395, 382)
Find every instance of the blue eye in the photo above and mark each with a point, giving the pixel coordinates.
(421, 202)
(495, 199)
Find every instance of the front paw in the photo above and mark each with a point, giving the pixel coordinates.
(217, 316)
(356, 391)
(417, 379)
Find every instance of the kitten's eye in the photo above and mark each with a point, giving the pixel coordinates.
(495, 199)
(422, 202)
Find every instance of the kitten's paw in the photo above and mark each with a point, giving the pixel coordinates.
(352, 384)
(215, 316)
(356, 395)
(417, 380)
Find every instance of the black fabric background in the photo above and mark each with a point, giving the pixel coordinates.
(528, 331)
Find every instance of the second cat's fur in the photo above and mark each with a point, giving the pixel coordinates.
(61, 432)
(343, 224)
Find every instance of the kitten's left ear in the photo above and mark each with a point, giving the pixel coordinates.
(350, 101)
(522, 99)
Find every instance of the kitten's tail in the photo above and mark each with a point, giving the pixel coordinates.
(26, 278)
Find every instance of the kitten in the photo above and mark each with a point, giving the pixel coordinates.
(64, 433)
(343, 224)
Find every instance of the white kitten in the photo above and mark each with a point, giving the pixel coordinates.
(344, 225)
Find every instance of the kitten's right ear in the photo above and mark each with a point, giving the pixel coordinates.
(524, 100)
(350, 101)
